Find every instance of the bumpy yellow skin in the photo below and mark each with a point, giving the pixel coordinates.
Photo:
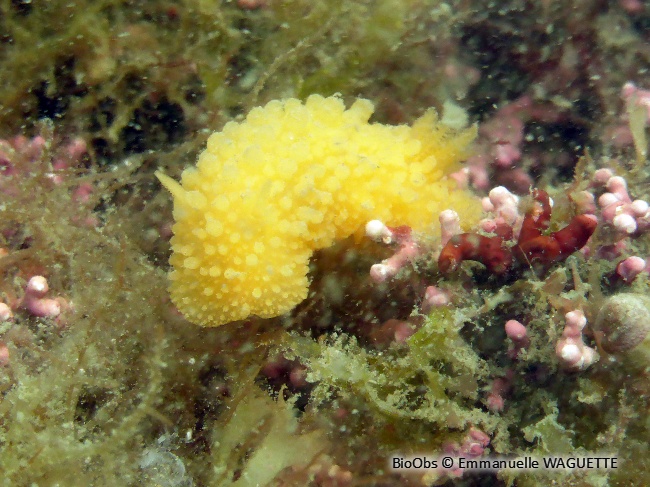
(293, 178)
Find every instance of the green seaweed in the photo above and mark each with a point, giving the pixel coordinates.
(123, 391)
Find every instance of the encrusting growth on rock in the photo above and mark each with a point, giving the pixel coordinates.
(532, 248)
(292, 178)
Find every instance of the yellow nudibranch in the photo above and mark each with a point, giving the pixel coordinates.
(293, 178)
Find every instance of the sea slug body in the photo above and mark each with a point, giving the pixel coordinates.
(292, 178)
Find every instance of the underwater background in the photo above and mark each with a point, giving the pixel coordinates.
(471, 244)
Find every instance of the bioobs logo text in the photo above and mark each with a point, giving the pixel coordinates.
(414, 463)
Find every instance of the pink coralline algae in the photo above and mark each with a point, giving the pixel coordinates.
(36, 302)
(624, 219)
(618, 209)
(620, 134)
(435, 297)
(5, 312)
(518, 334)
(408, 249)
(4, 354)
(571, 349)
(501, 386)
(633, 94)
(21, 157)
(629, 268)
(473, 446)
(21, 160)
(251, 4)
(19, 154)
(501, 156)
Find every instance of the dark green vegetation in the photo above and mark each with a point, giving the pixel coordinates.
(128, 393)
